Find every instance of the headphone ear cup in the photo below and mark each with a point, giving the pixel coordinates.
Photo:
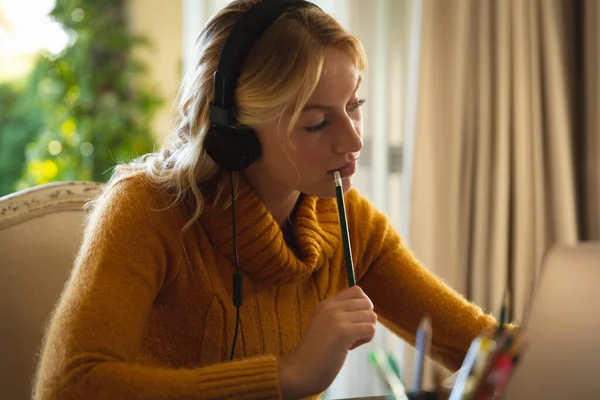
(232, 149)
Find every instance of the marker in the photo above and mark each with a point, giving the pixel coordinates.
(385, 372)
(339, 193)
(494, 378)
(395, 365)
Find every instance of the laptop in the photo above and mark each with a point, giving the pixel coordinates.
(562, 360)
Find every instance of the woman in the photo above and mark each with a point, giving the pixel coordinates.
(148, 310)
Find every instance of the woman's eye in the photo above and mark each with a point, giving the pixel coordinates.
(317, 127)
(349, 109)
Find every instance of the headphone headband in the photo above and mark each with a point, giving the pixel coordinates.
(230, 145)
(237, 47)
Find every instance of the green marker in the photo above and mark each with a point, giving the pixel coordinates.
(395, 366)
(384, 371)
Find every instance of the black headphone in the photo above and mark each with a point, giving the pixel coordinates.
(231, 145)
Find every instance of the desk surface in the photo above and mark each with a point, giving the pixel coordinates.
(427, 396)
(368, 398)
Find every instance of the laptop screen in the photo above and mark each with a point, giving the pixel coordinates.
(562, 360)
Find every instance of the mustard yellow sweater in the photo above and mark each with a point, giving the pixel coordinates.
(136, 322)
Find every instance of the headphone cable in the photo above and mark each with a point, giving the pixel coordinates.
(237, 277)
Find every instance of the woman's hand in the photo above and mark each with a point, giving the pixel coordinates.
(339, 324)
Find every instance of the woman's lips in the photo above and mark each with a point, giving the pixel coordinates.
(346, 170)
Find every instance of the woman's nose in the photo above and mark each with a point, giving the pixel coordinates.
(349, 137)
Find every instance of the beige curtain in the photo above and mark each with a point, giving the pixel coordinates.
(498, 172)
(589, 17)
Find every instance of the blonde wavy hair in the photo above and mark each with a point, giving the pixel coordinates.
(278, 77)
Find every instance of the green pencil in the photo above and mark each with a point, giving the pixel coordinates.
(339, 193)
(504, 311)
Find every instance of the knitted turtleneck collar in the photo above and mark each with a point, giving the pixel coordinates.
(262, 250)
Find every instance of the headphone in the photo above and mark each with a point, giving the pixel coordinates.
(231, 145)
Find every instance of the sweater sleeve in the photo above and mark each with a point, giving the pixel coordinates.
(403, 290)
(96, 331)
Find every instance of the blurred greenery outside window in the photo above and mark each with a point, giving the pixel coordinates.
(81, 111)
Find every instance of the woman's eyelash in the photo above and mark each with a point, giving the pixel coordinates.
(359, 103)
(351, 108)
(318, 127)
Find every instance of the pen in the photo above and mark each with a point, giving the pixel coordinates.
(339, 193)
(423, 341)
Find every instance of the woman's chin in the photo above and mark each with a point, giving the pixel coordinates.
(327, 191)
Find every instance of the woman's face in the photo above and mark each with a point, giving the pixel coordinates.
(327, 136)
